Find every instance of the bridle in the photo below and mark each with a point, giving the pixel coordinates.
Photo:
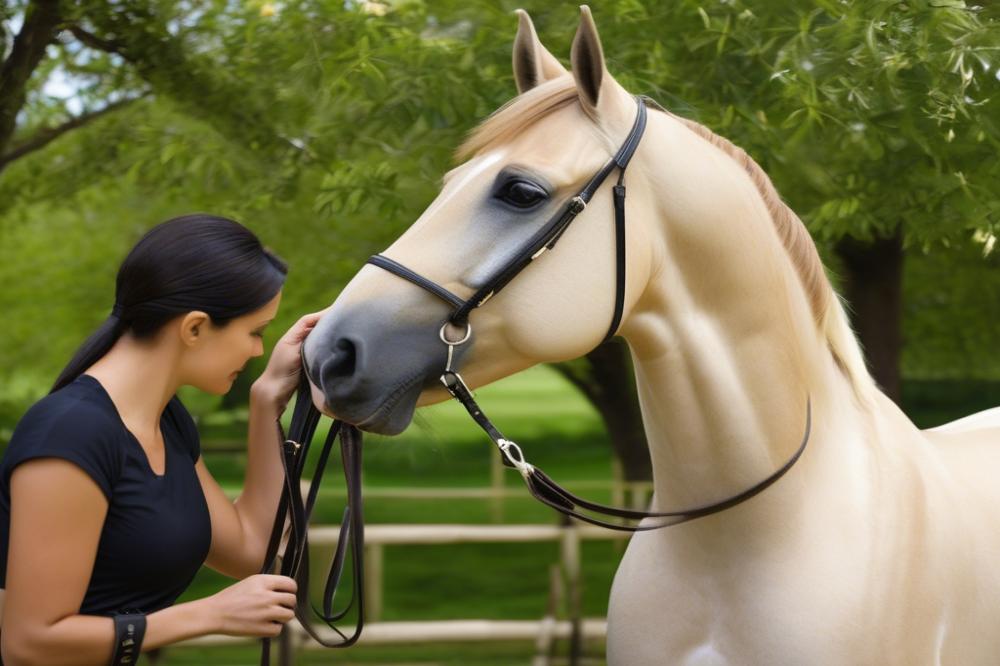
(541, 486)
(305, 418)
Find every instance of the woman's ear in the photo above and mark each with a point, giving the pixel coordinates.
(533, 64)
(192, 327)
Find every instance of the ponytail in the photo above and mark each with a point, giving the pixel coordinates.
(93, 348)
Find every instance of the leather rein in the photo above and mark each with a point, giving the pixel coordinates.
(305, 418)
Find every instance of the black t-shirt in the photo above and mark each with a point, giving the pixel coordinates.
(157, 530)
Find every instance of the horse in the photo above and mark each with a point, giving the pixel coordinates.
(872, 549)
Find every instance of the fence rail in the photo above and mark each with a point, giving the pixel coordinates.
(565, 584)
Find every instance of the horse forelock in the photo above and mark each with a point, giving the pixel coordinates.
(518, 114)
(533, 105)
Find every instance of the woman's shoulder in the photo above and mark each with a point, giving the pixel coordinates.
(78, 408)
(73, 423)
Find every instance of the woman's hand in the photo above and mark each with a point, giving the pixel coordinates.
(255, 606)
(281, 376)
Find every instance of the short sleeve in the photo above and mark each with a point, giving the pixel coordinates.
(76, 430)
(186, 426)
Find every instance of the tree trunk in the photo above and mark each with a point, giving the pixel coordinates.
(873, 285)
(605, 378)
(41, 19)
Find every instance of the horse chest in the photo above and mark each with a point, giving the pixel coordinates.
(817, 601)
(665, 610)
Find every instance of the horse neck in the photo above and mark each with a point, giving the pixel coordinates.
(728, 352)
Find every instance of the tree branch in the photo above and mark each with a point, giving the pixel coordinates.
(45, 136)
(95, 42)
(41, 23)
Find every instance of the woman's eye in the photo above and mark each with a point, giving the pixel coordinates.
(521, 193)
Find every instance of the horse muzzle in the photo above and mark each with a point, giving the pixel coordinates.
(370, 364)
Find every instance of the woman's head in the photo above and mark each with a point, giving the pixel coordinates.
(191, 264)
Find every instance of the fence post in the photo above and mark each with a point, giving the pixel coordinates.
(373, 581)
(546, 638)
(571, 565)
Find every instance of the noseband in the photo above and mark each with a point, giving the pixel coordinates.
(305, 419)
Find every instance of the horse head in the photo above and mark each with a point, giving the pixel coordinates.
(378, 353)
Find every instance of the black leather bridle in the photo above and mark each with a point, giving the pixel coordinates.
(305, 419)
(541, 486)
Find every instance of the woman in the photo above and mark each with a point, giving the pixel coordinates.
(106, 507)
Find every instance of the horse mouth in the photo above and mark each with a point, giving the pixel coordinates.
(390, 416)
(394, 414)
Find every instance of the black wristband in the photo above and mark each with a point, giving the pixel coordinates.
(130, 628)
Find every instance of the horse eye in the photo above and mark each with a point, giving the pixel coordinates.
(521, 193)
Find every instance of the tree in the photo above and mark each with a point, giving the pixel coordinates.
(326, 125)
(878, 122)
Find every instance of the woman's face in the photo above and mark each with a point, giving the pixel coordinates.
(221, 352)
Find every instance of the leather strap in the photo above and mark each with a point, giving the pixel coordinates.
(619, 203)
(544, 489)
(402, 271)
(130, 629)
(350, 545)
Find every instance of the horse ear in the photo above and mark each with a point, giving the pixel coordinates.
(587, 58)
(533, 64)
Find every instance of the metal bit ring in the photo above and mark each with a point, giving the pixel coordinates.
(468, 334)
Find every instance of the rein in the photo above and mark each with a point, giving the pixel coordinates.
(351, 540)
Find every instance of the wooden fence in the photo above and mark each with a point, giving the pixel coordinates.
(565, 584)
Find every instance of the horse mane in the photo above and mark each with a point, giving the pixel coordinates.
(825, 303)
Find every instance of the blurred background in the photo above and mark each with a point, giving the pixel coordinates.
(325, 126)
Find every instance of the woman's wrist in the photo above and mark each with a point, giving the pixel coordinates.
(181, 622)
(265, 393)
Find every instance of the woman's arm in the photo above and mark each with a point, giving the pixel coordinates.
(57, 512)
(240, 529)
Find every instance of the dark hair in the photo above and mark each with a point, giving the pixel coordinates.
(194, 262)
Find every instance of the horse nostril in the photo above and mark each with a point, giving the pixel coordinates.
(341, 363)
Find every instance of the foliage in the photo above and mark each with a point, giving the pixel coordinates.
(950, 317)
(325, 126)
